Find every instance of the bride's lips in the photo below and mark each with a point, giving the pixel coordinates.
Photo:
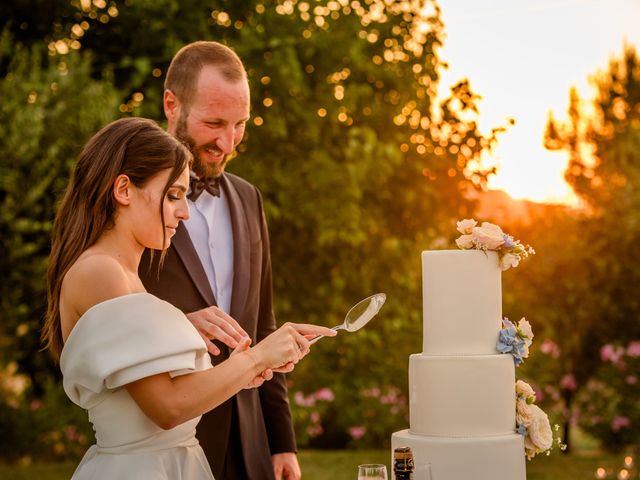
(172, 230)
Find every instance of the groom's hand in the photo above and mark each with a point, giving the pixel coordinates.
(213, 323)
(285, 466)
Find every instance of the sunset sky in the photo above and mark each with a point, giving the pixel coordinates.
(522, 57)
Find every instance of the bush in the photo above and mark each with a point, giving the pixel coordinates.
(50, 107)
(609, 406)
(47, 428)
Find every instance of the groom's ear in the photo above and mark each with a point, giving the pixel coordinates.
(171, 106)
(122, 188)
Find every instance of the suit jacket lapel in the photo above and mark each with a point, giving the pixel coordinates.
(187, 253)
(241, 249)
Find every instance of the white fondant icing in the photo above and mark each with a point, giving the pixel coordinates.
(462, 302)
(461, 396)
(461, 391)
(482, 458)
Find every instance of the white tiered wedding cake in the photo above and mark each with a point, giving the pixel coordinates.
(461, 390)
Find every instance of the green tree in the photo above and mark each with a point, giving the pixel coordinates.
(363, 163)
(600, 274)
(603, 143)
(47, 114)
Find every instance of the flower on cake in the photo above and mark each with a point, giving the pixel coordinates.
(515, 340)
(539, 437)
(531, 422)
(490, 237)
(526, 391)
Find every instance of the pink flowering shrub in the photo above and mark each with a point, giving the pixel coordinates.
(328, 419)
(609, 405)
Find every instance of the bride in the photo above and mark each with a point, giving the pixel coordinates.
(132, 360)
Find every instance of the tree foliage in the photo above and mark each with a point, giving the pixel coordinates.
(47, 114)
(593, 255)
(362, 162)
(603, 142)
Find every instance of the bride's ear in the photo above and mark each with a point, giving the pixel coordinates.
(122, 189)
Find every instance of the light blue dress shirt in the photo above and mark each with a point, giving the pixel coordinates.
(209, 227)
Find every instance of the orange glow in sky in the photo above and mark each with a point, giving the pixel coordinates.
(523, 57)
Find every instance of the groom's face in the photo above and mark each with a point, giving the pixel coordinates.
(213, 124)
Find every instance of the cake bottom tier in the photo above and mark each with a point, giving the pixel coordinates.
(498, 457)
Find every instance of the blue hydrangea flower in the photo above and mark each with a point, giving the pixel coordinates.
(508, 241)
(510, 342)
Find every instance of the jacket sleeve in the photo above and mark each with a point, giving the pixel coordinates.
(274, 393)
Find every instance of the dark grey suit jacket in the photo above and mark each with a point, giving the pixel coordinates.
(264, 415)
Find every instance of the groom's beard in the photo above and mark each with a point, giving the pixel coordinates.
(200, 167)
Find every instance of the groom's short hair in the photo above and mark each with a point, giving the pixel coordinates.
(186, 65)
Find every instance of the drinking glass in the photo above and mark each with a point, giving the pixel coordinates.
(423, 472)
(372, 471)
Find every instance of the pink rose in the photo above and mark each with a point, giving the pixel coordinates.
(324, 394)
(633, 350)
(568, 382)
(465, 226)
(465, 242)
(549, 347)
(302, 401)
(489, 235)
(610, 353)
(357, 432)
(619, 422)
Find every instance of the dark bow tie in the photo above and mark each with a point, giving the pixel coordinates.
(198, 185)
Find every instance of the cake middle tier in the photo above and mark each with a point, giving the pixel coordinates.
(461, 396)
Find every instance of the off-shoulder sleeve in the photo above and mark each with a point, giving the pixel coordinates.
(125, 339)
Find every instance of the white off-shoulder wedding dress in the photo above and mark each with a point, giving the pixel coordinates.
(115, 343)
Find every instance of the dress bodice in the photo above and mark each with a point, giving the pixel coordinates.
(117, 342)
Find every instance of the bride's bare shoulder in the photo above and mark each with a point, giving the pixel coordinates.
(92, 279)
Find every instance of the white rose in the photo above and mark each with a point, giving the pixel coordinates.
(524, 389)
(540, 431)
(465, 226)
(523, 413)
(529, 448)
(509, 260)
(489, 235)
(465, 242)
(525, 328)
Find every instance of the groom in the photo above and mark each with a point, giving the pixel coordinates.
(218, 267)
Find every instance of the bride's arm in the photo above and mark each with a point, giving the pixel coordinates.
(169, 402)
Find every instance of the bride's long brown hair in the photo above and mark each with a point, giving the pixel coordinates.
(135, 147)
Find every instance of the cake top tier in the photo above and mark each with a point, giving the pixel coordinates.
(462, 302)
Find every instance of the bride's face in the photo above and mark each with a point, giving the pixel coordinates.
(148, 229)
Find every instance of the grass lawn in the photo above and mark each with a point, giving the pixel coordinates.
(341, 465)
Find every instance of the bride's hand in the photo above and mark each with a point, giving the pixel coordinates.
(285, 347)
(264, 376)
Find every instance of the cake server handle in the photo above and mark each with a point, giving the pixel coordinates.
(315, 339)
